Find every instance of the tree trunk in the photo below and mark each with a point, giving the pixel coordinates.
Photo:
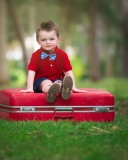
(19, 30)
(31, 23)
(64, 34)
(67, 14)
(4, 78)
(124, 45)
(94, 55)
(108, 59)
(32, 17)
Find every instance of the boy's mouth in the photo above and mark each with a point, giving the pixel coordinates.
(48, 46)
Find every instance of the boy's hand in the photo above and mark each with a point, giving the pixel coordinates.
(79, 90)
(27, 91)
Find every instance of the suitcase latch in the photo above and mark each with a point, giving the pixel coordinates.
(27, 109)
(101, 109)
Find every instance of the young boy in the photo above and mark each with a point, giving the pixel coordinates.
(49, 64)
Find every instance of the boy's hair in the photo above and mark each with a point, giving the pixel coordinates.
(47, 26)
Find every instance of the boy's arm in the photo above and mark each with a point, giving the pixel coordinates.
(74, 89)
(30, 81)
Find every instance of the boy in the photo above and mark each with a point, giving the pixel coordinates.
(49, 64)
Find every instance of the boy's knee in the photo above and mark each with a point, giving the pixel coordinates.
(58, 81)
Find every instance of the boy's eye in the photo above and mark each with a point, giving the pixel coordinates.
(51, 39)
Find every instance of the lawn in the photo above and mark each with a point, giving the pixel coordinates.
(64, 140)
(68, 140)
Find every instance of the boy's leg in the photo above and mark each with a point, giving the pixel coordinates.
(51, 90)
(66, 87)
(45, 85)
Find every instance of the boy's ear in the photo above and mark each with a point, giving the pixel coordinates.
(58, 39)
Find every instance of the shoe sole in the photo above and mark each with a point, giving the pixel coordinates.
(66, 87)
(52, 92)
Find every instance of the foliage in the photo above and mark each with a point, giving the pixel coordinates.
(64, 140)
(116, 86)
(17, 77)
(79, 68)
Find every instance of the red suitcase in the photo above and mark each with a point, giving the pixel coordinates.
(95, 105)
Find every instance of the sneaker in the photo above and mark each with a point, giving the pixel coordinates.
(52, 92)
(66, 87)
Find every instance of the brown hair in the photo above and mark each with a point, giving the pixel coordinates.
(47, 26)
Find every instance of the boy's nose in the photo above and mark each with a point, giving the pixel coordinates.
(48, 41)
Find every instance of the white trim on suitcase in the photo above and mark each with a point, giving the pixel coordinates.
(54, 106)
(57, 109)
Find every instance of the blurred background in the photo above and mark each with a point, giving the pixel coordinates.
(94, 33)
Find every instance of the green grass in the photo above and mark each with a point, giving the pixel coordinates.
(64, 140)
(67, 140)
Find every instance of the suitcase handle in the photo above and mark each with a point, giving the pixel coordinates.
(60, 111)
(63, 117)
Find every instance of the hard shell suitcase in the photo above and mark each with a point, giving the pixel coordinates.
(95, 105)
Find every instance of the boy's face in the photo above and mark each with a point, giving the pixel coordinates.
(48, 40)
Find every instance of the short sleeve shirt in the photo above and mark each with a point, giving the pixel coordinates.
(47, 68)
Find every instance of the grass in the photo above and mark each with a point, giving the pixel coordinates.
(67, 140)
(64, 140)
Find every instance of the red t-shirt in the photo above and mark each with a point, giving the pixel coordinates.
(48, 68)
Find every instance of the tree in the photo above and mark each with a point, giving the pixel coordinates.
(67, 14)
(124, 42)
(19, 29)
(4, 77)
(115, 17)
(94, 53)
